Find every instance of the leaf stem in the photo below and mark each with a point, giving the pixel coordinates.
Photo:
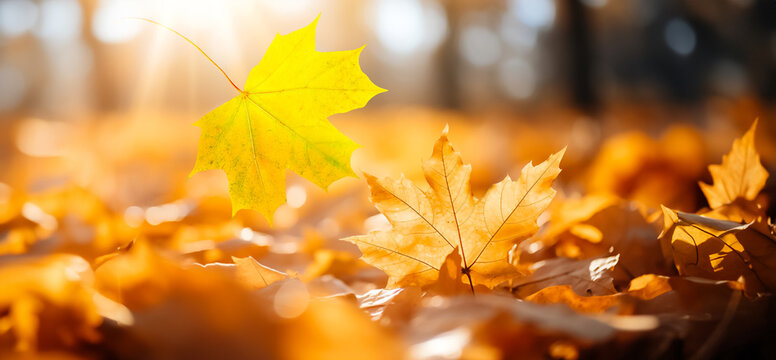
(471, 285)
(195, 45)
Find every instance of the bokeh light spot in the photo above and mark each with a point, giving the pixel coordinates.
(480, 46)
(134, 216)
(296, 196)
(538, 14)
(14, 87)
(17, 17)
(404, 27)
(680, 37)
(399, 25)
(517, 78)
(286, 7)
(60, 20)
(111, 23)
(291, 299)
(517, 34)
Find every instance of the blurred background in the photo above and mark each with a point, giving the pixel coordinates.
(64, 58)
(645, 93)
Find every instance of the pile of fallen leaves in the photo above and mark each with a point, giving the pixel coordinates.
(519, 272)
(522, 271)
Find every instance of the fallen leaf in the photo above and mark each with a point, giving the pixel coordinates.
(515, 329)
(695, 309)
(740, 210)
(739, 176)
(429, 223)
(586, 277)
(649, 286)
(449, 282)
(255, 275)
(595, 226)
(563, 294)
(645, 287)
(566, 213)
(720, 249)
(47, 302)
(278, 121)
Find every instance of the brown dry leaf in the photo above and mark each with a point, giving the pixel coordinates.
(177, 313)
(512, 329)
(627, 232)
(741, 210)
(566, 214)
(645, 287)
(650, 286)
(739, 176)
(565, 295)
(374, 301)
(253, 274)
(721, 250)
(586, 277)
(566, 234)
(600, 225)
(429, 223)
(701, 314)
(391, 307)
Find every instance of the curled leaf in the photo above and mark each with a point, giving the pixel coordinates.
(721, 250)
(565, 295)
(586, 277)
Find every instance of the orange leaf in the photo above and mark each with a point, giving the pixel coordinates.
(739, 176)
(563, 294)
(255, 275)
(721, 250)
(428, 223)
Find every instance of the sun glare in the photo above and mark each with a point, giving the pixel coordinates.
(207, 25)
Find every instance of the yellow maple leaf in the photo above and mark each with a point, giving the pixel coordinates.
(739, 176)
(278, 121)
(720, 249)
(430, 223)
